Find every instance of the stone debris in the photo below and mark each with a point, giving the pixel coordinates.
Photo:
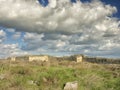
(31, 82)
(71, 86)
(2, 76)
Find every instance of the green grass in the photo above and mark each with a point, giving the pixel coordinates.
(33, 76)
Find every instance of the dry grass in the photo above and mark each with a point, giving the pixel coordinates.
(23, 75)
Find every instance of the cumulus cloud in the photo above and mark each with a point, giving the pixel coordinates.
(64, 17)
(2, 36)
(10, 50)
(72, 44)
(16, 35)
(42, 43)
(10, 30)
(63, 26)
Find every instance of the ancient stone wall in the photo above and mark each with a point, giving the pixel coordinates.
(22, 58)
(12, 58)
(76, 58)
(38, 58)
(102, 60)
(79, 58)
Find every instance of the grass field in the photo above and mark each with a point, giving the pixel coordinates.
(52, 76)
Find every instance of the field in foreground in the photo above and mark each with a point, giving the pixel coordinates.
(52, 76)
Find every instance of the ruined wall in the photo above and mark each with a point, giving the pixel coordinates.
(12, 59)
(102, 60)
(79, 58)
(22, 58)
(29, 58)
(66, 58)
(38, 58)
(76, 58)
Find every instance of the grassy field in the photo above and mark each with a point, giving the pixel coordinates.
(52, 76)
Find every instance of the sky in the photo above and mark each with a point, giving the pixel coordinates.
(60, 27)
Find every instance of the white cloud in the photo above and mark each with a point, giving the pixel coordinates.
(38, 42)
(16, 35)
(74, 44)
(2, 36)
(10, 50)
(63, 26)
(64, 18)
(11, 30)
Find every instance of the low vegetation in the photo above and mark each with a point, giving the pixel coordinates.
(52, 76)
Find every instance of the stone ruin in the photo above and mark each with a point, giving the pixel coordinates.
(71, 86)
(30, 58)
(76, 58)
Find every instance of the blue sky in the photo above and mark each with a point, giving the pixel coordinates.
(111, 2)
(64, 27)
(115, 3)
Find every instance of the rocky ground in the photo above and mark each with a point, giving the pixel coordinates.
(54, 75)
